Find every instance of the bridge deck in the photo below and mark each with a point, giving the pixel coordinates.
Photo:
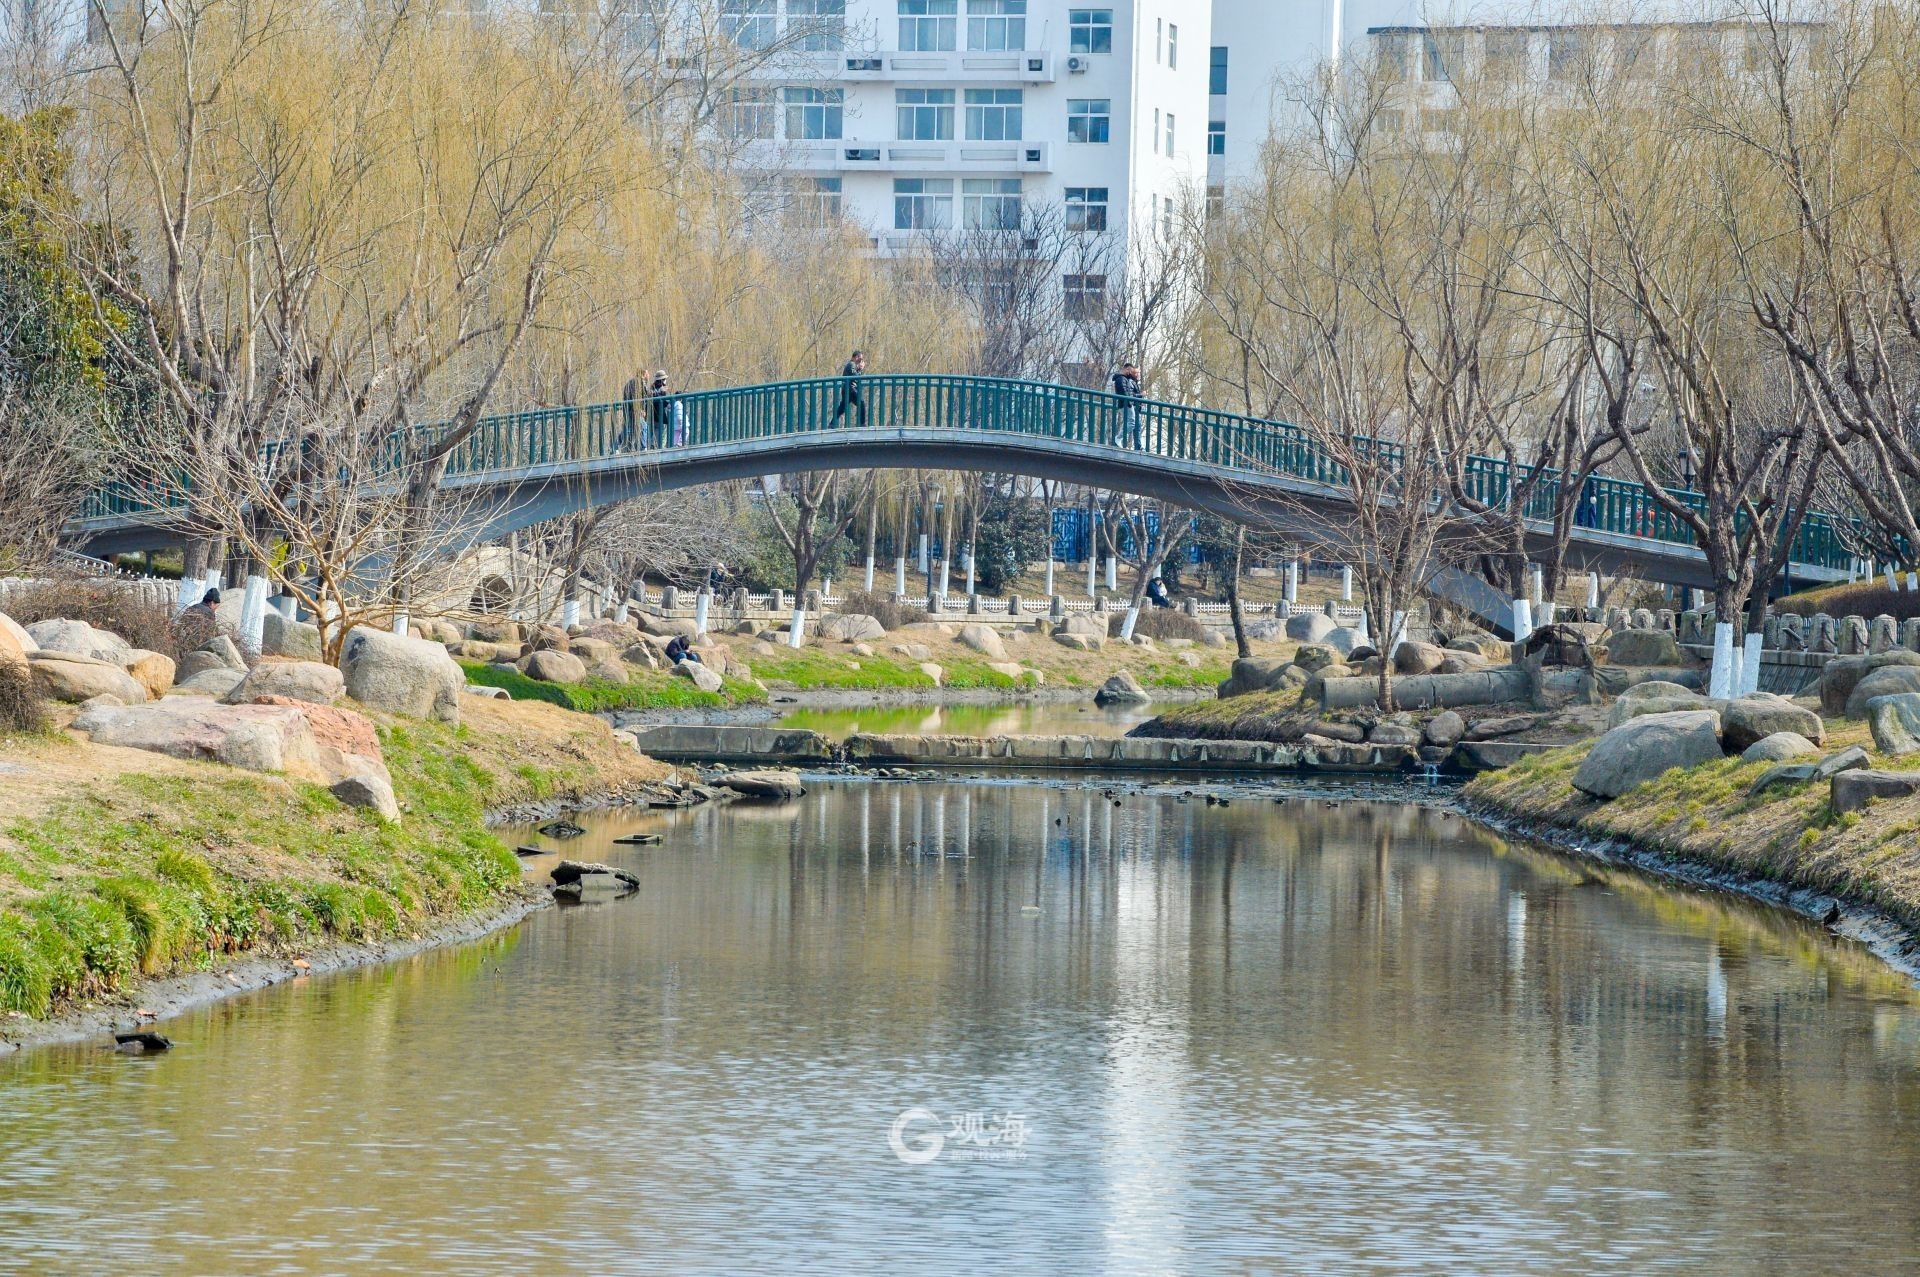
(541, 464)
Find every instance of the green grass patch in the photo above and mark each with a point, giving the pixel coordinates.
(596, 696)
(807, 669)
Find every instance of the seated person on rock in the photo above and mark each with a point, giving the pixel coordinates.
(1157, 591)
(678, 650)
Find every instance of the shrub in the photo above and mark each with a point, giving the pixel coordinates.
(883, 609)
(1168, 623)
(1867, 599)
(102, 602)
(19, 708)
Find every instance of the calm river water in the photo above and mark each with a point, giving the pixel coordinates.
(1158, 1037)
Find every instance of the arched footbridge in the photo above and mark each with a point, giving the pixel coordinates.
(528, 467)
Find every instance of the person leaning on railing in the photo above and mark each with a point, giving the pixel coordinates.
(1126, 388)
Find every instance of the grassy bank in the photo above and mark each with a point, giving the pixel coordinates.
(116, 864)
(1270, 716)
(648, 690)
(1704, 815)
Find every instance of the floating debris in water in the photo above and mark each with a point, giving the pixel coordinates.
(140, 1042)
(561, 829)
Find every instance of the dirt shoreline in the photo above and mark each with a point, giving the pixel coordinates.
(781, 703)
(1885, 936)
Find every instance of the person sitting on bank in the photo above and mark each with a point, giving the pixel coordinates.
(679, 650)
(1157, 591)
(199, 624)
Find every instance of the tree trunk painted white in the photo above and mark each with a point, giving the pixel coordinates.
(1522, 619)
(1593, 589)
(1720, 681)
(900, 575)
(1093, 573)
(570, 614)
(1396, 634)
(869, 574)
(1913, 582)
(1366, 635)
(945, 564)
(1113, 573)
(926, 560)
(1049, 576)
(702, 604)
(1893, 582)
(620, 612)
(970, 577)
(1126, 626)
(796, 635)
(1346, 583)
(1750, 666)
(826, 588)
(1293, 581)
(253, 613)
(1546, 612)
(1536, 583)
(400, 622)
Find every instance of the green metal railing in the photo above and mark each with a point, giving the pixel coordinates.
(1255, 448)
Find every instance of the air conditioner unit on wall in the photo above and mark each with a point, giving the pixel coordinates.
(1076, 65)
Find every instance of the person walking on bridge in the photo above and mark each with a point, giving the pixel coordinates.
(1126, 388)
(668, 413)
(850, 391)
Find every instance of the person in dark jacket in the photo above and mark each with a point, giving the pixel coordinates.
(678, 650)
(1126, 387)
(850, 390)
(660, 407)
(1157, 592)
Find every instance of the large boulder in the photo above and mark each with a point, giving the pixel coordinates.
(1122, 689)
(666, 627)
(857, 627)
(77, 638)
(1343, 639)
(1843, 674)
(309, 682)
(1314, 657)
(1778, 748)
(1895, 723)
(1854, 789)
(295, 640)
(1418, 658)
(1643, 647)
(12, 629)
(370, 791)
(1079, 642)
(1890, 680)
(152, 670)
(1657, 688)
(763, 784)
(215, 682)
(74, 677)
(1751, 719)
(1637, 751)
(983, 640)
(1253, 674)
(1445, 729)
(550, 666)
(401, 675)
(1091, 624)
(261, 738)
(595, 651)
(1385, 733)
(218, 653)
(699, 675)
(1311, 627)
(1627, 708)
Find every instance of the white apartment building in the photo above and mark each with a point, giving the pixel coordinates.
(915, 117)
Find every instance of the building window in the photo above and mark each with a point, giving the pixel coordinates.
(817, 25)
(996, 25)
(1086, 208)
(1216, 202)
(1505, 57)
(925, 115)
(1633, 51)
(993, 115)
(813, 115)
(1440, 55)
(1159, 40)
(750, 114)
(1216, 137)
(1217, 70)
(1166, 217)
(1086, 297)
(1173, 46)
(817, 200)
(1566, 55)
(922, 203)
(1088, 118)
(1090, 31)
(751, 24)
(1393, 55)
(1169, 134)
(928, 26)
(990, 203)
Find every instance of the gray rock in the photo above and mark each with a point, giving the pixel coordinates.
(295, 639)
(1849, 759)
(1088, 624)
(1253, 674)
(1310, 627)
(982, 639)
(699, 675)
(1782, 774)
(1344, 639)
(216, 682)
(763, 784)
(1638, 751)
(76, 638)
(1657, 687)
(1843, 674)
(1895, 722)
(223, 649)
(854, 627)
(1889, 681)
(1418, 658)
(1853, 790)
(1627, 709)
(1349, 733)
(1505, 725)
(1643, 647)
(1778, 748)
(487, 693)
(1393, 734)
(366, 790)
(1751, 719)
(1079, 642)
(1446, 729)
(1122, 689)
(74, 677)
(295, 680)
(1314, 657)
(401, 675)
(262, 738)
